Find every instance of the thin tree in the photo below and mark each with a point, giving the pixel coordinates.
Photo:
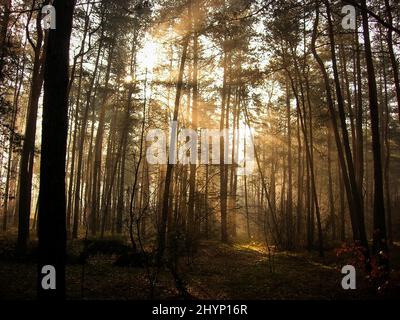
(379, 233)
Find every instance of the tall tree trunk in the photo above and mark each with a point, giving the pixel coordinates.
(393, 60)
(310, 161)
(355, 207)
(355, 189)
(359, 151)
(75, 137)
(195, 98)
(18, 85)
(5, 20)
(95, 205)
(82, 136)
(387, 157)
(170, 166)
(300, 182)
(223, 158)
(330, 185)
(289, 205)
(28, 149)
(379, 235)
(341, 202)
(52, 202)
(246, 198)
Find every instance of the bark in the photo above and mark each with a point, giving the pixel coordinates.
(359, 151)
(95, 205)
(223, 166)
(379, 231)
(330, 186)
(289, 206)
(170, 167)
(393, 60)
(195, 88)
(18, 85)
(4, 24)
(52, 201)
(28, 149)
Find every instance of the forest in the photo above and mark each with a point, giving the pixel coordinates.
(199, 149)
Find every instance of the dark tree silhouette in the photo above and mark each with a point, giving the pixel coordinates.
(52, 202)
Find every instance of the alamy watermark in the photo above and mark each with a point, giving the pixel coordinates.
(49, 19)
(349, 280)
(189, 146)
(349, 20)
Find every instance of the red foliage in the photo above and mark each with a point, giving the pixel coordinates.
(378, 275)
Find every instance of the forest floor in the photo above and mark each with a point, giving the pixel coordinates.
(237, 271)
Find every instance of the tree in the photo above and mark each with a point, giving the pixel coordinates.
(170, 165)
(379, 234)
(52, 201)
(28, 150)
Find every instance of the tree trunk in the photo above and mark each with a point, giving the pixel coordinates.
(379, 231)
(82, 136)
(355, 207)
(52, 202)
(18, 85)
(95, 205)
(168, 176)
(393, 60)
(289, 205)
(5, 19)
(330, 185)
(349, 159)
(28, 149)
(223, 166)
(195, 88)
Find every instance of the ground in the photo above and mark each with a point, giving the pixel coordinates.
(218, 271)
